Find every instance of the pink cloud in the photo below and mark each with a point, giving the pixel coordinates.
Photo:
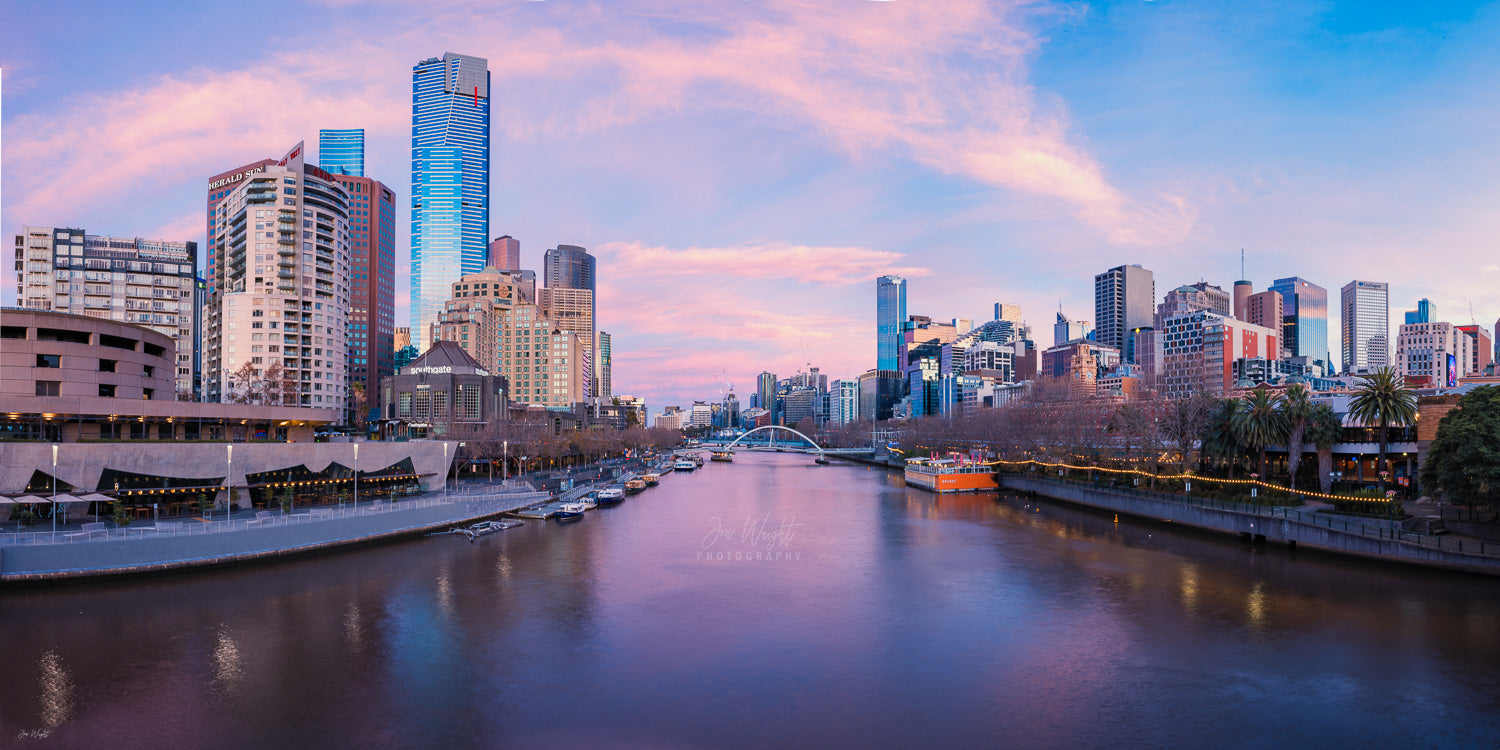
(831, 266)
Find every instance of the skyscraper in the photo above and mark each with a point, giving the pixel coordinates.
(765, 393)
(602, 368)
(890, 313)
(1124, 299)
(505, 253)
(280, 298)
(1304, 319)
(450, 181)
(1426, 312)
(568, 297)
(1365, 325)
(342, 152)
(372, 281)
(1012, 313)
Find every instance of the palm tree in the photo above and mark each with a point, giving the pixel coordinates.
(1260, 423)
(1383, 399)
(1324, 428)
(1219, 438)
(1295, 405)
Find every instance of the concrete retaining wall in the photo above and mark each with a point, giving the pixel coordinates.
(38, 562)
(1252, 524)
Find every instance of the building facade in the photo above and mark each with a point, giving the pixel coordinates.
(1304, 320)
(280, 298)
(1365, 325)
(505, 253)
(890, 315)
(1199, 349)
(568, 295)
(1432, 355)
(342, 152)
(442, 393)
(450, 180)
(1124, 299)
(1426, 312)
(604, 365)
(372, 281)
(152, 283)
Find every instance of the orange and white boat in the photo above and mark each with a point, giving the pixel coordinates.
(948, 475)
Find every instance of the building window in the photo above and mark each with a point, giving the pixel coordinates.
(107, 390)
(48, 360)
(47, 387)
(106, 365)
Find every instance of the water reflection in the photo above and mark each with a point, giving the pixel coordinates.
(906, 619)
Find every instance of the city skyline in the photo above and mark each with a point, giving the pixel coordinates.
(739, 230)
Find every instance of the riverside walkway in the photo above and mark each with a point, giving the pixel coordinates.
(1298, 526)
(90, 549)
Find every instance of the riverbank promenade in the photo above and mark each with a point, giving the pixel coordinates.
(86, 548)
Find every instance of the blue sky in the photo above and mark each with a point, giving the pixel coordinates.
(744, 170)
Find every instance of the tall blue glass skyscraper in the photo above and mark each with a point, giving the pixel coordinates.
(342, 151)
(1304, 319)
(450, 181)
(890, 313)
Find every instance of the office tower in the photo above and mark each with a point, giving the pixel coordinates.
(276, 321)
(1186, 299)
(219, 187)
(1481, 348)
(1304, 320)
(1432, 355)
(1065, 330)
(1426, 312)
(603, 365)
(1242, 291)
(765, 392)
(568, 273)
(1198, 351)
(372, 280)
(890, 314)
(1365, 325)
(342, 152)
(450, 181)
(505, 253)
(1124, 299)
(402, 338)
(1004, 311)
(569, 267)
(151, 283)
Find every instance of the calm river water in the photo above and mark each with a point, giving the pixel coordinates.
(768, 603)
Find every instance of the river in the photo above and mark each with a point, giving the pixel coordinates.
(768, 603)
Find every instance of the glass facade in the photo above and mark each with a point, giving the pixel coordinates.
(450, 181)
(1365, 325)
(342, 151)
(1304, 319)
(890, 313)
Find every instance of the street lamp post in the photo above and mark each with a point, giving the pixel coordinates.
(445, 471)
(505, 463)
(54, 492)
(228, 481)
(356, 479)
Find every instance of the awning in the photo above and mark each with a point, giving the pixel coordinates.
(31, 499)
(95, 497)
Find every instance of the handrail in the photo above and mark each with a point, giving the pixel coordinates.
(1388, 531)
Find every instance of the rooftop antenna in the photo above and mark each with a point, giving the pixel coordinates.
(1242, 263)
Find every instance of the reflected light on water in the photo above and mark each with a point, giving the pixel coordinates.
(57, 691)
(1188, 587)
(354, 636)
(502, 566)
(445, 593)
(1255, 607)
(227, 668)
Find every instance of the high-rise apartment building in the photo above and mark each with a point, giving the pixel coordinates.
(765, 392)
(568, 294)
(1432, 355)
(372, 279)
(219, 187)
(277, 313)
(151, 283)
(604, 364)
(505, 253)
(543, 362)
(1124, 300)
(1481, 348)
(342, 152)
(1365, 325)
(1426, 312)
(890, 314)
(450, 180)
(1304, 320)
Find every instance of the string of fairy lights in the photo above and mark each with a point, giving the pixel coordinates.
(297, 483)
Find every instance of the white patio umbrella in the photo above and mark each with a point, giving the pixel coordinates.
(62, 502)
(97, 498)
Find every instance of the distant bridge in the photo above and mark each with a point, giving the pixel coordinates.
(815, 448)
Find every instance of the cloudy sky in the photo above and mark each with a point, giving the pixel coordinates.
(743, 169)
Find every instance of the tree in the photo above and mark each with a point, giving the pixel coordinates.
(1296, 404)
(242, 383)
(1382, 399)
(1220, 441)
(1260, 423)
(1184, 423)
(1463, 462)
(1323, 429)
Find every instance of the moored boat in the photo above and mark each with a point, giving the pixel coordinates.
(722, 456)
(635, 485)
(570, 511)
(482, 528)
(947, 475)
(684, 465)
(609, 496)
(651, 479)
